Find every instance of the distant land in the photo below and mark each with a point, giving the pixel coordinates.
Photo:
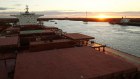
(74, 19)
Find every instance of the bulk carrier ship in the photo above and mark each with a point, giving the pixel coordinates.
(30, 50)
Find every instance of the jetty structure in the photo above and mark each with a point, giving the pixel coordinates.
(30, 50)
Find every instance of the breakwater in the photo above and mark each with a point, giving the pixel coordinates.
(74, 19)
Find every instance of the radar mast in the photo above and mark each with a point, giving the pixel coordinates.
(27, 9)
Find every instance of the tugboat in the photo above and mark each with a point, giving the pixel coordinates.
(124, 21)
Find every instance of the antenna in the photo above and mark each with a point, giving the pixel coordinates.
(85, 21)
(27, 9)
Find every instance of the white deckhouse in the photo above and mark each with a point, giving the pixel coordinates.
(27, 18)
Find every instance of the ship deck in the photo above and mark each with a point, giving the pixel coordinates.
(60, 56)
(77, 36)
(3, 71)
(9, 41)
(71, 63)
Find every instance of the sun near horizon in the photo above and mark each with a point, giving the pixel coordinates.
(102, 16)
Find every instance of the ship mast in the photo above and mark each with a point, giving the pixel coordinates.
(86, 21)
(86, 14)
(27, 9)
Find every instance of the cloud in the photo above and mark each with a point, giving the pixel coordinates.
(17, 5)
(4, 8)
(90, 14)
(75, 14)
(127, 14)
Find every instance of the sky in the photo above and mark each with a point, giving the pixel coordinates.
(74, 8)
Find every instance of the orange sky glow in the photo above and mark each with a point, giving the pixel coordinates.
(74, 8)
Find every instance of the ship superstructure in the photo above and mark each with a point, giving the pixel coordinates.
(27, 18)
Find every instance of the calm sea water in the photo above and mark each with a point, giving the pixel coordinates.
(123, 38)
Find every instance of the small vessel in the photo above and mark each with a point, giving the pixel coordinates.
(51, 21)
(55, 23)
(124, 21)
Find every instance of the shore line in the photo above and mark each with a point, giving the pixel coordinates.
(125, 56)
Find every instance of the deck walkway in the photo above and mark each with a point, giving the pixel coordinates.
(130, 58)
(116, 53)
(3, 71)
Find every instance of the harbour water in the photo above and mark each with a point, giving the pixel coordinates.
(123, 38)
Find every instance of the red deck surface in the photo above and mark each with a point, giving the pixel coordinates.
(70, 63)
(3, 71)
(50, 27)
(13, 29)
(9, 41)
(36, 33)
(1, 28)
(77, 36)
(47, 45)
(31, 27)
